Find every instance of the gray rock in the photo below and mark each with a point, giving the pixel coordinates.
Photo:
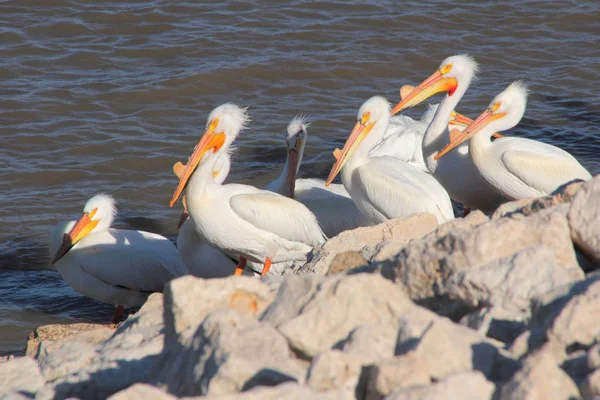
(448, 348)
(20, 374)
(230, 352)
(14, 396)
(584, 219)
(590, 388)
(593, 357)
(496, 323)
(285, 391)
(576, 365)
(335, 370)
(188, 300)
(376, 342)
(462, 386)
(50, 333)
(539, 378)
(142, 391)
(423, 267)
(365, 239)
(394, 374)
(525, 207)
(315, 313)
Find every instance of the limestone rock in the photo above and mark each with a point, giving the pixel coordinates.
(394, 374)
(423, 266)
(376, 342)
(590, 388)
(540, 378)
(497, 323)
(365, 239)
(188, 300)
(448, 348)
(463, 386)
(593, 357)
(335, 370)
(345, 261)
(20, 374)
(525, 207)
(584, 219)
(230, 352)
(142, 391)
(285, 391)
(50, 333)
(314, 313)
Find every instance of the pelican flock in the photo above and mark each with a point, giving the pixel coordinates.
(390, 166)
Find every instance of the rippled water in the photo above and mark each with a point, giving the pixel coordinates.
(107, 97)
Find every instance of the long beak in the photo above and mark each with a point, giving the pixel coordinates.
(459, 119)
(476, 126)
(208, 141)
(184, 214)
(356, 136)
(436, 83)
(290, 179)
(83, 227)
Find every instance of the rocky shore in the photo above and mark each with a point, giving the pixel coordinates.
(501, 307)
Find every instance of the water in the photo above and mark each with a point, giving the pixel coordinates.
(105, 98)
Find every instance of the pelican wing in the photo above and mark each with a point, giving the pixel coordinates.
(544, 170)
(396, 189)
(280, 215)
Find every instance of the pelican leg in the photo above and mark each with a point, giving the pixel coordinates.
(466, 211)
(267, 267)
(240, 267)
(118, 315)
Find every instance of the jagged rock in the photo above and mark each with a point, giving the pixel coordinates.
(96, 371)
(20, 374)
(376, 342)
(394, 374)
(14, 396)
(424, 266)
(463, 386)
(496, 323)
(590, 388)
(230, 352)
(189, 299)
(576, 365)
(525, 207)
(314, 313)
(49, 333)
(593, 357)
(539, 378)
(285, 391)
(584, 219)
(333, 369)
(142, 391)
(448, 348)
(365, 239)
(345, 261)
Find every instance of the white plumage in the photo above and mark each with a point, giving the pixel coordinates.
(516, 167)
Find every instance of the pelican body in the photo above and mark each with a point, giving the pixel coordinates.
(456, 172)
(385, 187)
(516, 167)
(332, 205)
(254, 224)
(114, 266)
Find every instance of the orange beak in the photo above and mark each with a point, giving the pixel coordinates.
(459, 119)
(290, 180)
(360, 131)
(476, 126)
(208, 141)
(81, 229)
(436, 83)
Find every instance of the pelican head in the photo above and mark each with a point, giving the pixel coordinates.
(295, 140)
(373, 111)
(504, 112)
(222, 127)
(454, 73)
(98, 214)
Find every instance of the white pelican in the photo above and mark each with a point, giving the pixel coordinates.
(385, 187)
(115, 266)
(200, 258)
(516, 167)
(456, 172)
(332, 205)
(254, 224)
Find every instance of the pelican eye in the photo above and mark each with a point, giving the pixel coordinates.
(365, 117)
(445, 69)
(92, 213)
(495, 106)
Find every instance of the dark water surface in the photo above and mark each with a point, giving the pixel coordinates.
(106, 97)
